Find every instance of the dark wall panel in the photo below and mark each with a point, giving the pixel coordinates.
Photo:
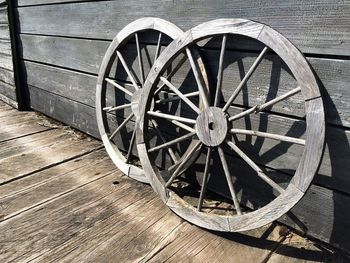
(321, 27)
(7, 83)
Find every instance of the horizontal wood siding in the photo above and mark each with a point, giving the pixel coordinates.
(321, 27)
(55, 50)
(62, 44)
(7, 82)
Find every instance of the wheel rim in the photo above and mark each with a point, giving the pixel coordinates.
(113, 55)
(212, 137)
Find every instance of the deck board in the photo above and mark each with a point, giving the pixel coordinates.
(50, 189)
(63, 200)
(42, 157)
(28, 143)
(16, 130)
(72, 166)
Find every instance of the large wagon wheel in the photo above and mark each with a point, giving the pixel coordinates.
(214, 127)
(125, 106)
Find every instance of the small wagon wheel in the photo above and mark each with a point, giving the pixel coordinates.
(125, 105)
(214, 127)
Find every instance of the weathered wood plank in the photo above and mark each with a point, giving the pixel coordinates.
(5, 47)
(4, 106)
(73, 214)
(78, 50)
(3, 15)
(8, 91)
(8, 101)
(333, 73)
(43, 2)
(50, 189)
(133, 237)
(8, 132)
(8, 121)
(8, 113)
(16, 167)
(5, 111)
(41, 177)
(7, 76)
(326, 33)
(4, 32)
(28, 143)
(80, 86)
(11, 116)
(75, 114)
(6, 62)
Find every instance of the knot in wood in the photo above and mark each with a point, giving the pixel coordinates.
(211, 126)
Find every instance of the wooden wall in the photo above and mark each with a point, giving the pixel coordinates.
(62, 44)
(7, 80)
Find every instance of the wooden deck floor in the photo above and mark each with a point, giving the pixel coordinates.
(62, 199)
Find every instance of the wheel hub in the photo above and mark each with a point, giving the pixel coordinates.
(211, 126)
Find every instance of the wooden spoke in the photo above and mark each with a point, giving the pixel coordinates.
(158, 47)
(197, 76)
(242, 114)
(278, 99)
(181, 95)
(182, 164)
(229, 180)
(131, 146)
(269, 136)
(139, 56)
(246, 78)
(133, 81)
(205, 180)
(170, 151)
(268, 104)
(115, 84)
(220, 71)
(183, 126)
(172, 142)
(171, 117)
(172, 73)
(117, 108)
(259, 172)
(121, 126)
(187, 95)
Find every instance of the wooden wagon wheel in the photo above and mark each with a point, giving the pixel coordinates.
(214, 127)
(128, 105)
